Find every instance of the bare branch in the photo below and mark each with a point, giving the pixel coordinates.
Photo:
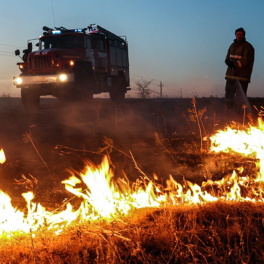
(142, 87)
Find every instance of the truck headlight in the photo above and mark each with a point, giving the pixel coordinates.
(63, 77)
(17, 80)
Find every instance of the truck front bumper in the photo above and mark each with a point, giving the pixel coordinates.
(24, 81)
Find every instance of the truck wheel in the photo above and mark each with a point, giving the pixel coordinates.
(117, 92)
(85, 89)
(84, 81)
(30, 99)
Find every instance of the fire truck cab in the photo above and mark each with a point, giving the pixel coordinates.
(74, 64)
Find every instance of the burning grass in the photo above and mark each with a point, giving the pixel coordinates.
(218, 232)
(116, 221)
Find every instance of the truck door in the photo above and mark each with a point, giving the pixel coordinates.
(101, 56)
(89, 51)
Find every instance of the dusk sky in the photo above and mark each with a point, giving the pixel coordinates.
(181, 43)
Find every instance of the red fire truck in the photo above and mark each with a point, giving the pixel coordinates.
(74, 64)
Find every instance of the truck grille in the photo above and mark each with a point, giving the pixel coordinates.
(40, 62)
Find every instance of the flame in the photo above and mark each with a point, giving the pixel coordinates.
(2, 156)
(105, 197)
(248, 142)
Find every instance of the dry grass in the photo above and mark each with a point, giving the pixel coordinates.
(212, 233)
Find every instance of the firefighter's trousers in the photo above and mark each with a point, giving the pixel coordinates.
(235, 92)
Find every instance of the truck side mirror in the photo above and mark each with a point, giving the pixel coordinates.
(17, 52)
(29, 47)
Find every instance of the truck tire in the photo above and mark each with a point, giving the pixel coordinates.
(30, 98)
(86, 89)
(83, 90)
(118, 91)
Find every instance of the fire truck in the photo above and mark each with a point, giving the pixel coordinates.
(74, 64)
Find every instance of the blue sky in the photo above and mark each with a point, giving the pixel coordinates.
(181, 43)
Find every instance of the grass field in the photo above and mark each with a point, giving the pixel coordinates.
(141, 138)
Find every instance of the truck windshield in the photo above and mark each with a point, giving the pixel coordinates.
(64, 42)
(49, 43)
(72, 41)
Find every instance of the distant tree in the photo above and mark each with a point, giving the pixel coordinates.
(142, 88)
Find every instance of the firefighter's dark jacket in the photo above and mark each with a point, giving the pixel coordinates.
(242, 56)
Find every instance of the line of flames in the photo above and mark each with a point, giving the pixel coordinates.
(106, 198)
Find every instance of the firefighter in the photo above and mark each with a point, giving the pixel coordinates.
(240, 60)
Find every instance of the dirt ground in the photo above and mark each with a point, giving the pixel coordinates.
(162, 136)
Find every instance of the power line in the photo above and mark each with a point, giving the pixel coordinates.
(7, 55)
(11, 45)
(135, 89)
(178, 93)
(6, 52)
(172, 87)
(145, 77)
(154, 91)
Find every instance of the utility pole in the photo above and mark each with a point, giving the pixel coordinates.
(160, 85)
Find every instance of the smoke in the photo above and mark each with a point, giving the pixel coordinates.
(132, 125)
(106, 117)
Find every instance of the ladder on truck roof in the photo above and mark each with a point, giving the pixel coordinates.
(111, 35)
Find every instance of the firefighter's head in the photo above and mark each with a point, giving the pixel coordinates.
(240, 34)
